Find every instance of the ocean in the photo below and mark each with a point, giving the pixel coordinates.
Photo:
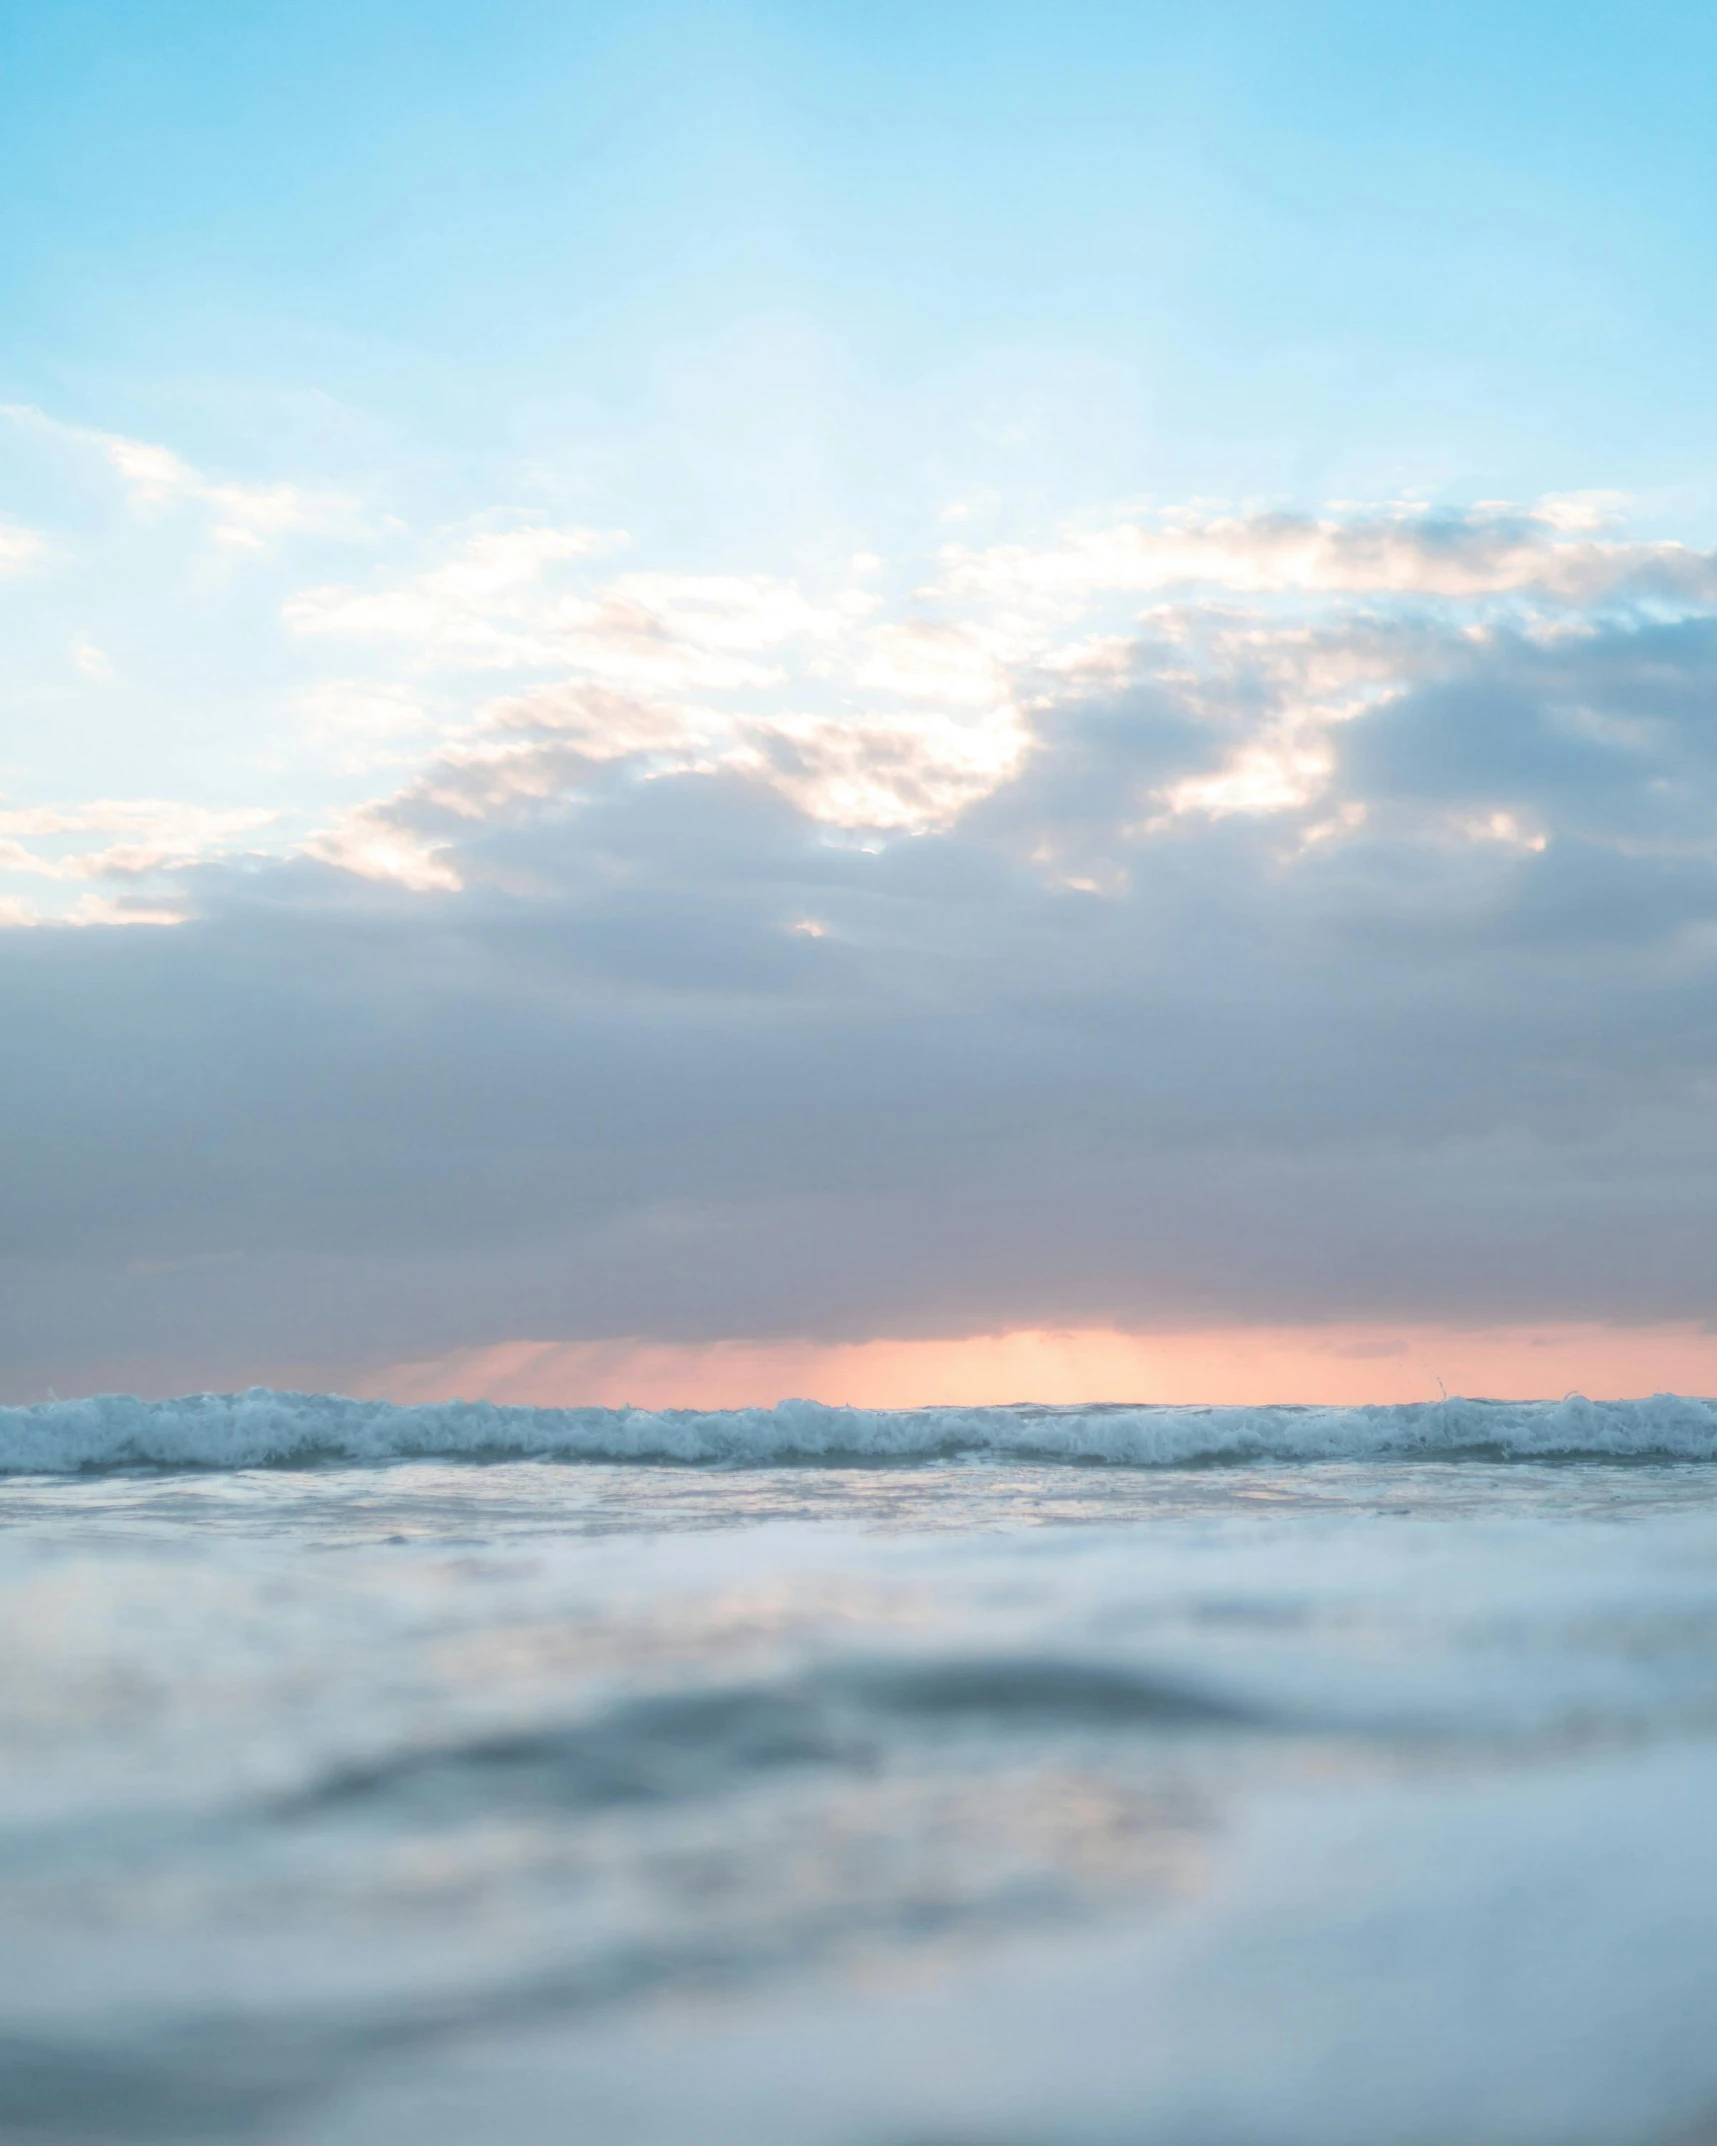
(471, 1776)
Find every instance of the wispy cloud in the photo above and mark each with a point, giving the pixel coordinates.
(20, 548)
(1400, 551)
(238, 517)
(498, 601)
(49, 841)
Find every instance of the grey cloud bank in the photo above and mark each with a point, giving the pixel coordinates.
(1299, 967)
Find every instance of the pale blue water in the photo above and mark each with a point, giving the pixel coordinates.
(1274, 1776)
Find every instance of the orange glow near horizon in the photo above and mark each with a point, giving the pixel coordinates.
(1345, 1364)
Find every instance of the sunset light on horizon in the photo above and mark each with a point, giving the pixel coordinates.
(1224, 1368)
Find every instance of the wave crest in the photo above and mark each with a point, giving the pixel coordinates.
(265, 1429)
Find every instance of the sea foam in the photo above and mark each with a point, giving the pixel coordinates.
(262, 1428)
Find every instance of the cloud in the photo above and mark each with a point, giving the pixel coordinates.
(20, 548)
(937, 662)
(1399, 552)
(41, 842)
(873, 716)
(481, 604)
(497, 602)
(863, 721)
(1276, 954)
(239, 517)
(359, 725)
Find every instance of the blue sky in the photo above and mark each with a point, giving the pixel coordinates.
(873, 253)
(879, 542)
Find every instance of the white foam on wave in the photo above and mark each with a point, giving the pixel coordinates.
(262, 1428)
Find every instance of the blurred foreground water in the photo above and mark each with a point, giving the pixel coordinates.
(933, 1792)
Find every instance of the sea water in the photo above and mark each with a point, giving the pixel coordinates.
(812, 1777)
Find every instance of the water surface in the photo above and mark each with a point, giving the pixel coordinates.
(1340, 1776)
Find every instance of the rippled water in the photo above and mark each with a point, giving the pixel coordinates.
(981, 1798)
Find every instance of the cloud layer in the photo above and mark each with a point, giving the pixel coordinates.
(1214, 918)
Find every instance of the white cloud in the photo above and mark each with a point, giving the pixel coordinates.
(112, 910)
(930, 661)
(371, 845)
(878, 772)
(866, 719)
(20, 548)
(499, 563)
(240, 517)
(1269, 775)
(41, 841)
(497, 602)
(357, 725)
(1399, 552)
(484, 604)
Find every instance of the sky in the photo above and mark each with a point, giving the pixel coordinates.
(969, 703)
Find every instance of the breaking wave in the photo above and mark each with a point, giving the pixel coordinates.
(264, 1429)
